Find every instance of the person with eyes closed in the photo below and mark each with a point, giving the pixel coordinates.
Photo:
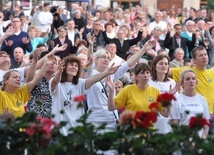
(99, 92)
(189, 100)
(66, 85)
(13, 96)
(160, 80)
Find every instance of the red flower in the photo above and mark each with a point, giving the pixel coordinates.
(145, 119)
(80, 98)
(198, 122)
(166, 97)
(120, 110)
(154, 105)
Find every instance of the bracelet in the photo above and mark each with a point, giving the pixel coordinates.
(86, 69)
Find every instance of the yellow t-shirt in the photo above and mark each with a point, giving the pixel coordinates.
(14, 101)
(134, 98)
(205, 85)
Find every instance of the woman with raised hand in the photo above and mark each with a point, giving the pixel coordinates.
(99, 92)
(66, 85)
(13, 96)
(189, 103)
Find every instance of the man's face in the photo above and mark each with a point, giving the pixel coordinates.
(16, 23)
(112, 48)
(158, 17)
(201, 59)
(203, 13)
(4, 57)
(70, 25)
(18, 53)
(106, 15)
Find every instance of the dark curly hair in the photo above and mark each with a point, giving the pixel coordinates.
(71, 59)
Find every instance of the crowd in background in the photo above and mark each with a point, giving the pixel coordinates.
(59, 55)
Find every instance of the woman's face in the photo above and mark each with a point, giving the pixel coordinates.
(38, 32)
(32, 33)
(72, 69)
(143, 77)
(109, 28)
(189, 81)
(162, 66)
(83, 59)
(103, 61)
(14, 80)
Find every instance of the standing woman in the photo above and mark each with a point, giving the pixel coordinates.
(137, 96)
(99, 92)
(13, 96)
(65, 86)
(159, 78)
(189, 101)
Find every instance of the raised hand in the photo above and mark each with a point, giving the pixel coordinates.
(10, 31)
(61, 66)
(50, 59)
(36, 54)
(26, 59)
(175, 89)
(60, 48)
(8, 43)
(90, 38)
(110, 83)
(151, 52)
(150, 44)
(82, 30)
(112, 69)
(25, 40)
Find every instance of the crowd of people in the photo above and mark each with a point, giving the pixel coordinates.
(50, 57)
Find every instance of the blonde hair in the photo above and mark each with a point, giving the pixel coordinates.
(100, 53)
(183, 73)
(6, 77)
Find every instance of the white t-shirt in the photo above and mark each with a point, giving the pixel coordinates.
(45, 21)
(195, 105)
(162, 124)
(63, 99)
(163, 86)
(98, 101)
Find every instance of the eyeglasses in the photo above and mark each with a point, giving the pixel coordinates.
(106, 58)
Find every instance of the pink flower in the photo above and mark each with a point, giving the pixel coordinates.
(30, 131)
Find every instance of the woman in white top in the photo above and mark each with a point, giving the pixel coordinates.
(159, 79)
(65, 86)
(98, 94)
(189, 101)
